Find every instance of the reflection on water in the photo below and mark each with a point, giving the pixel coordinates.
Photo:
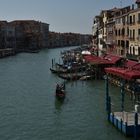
(27, 90)
(59, 103)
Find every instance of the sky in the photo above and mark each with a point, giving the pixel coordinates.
(74, 16)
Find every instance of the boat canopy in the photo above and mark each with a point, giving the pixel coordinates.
(86, 52)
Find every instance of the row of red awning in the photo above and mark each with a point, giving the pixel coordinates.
(108, 59)
(124, 73)
(131, 69)
(130, 63)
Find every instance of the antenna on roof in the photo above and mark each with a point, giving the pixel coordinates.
(121, 3)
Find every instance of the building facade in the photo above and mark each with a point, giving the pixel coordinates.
(122, 31)
(134, 32)
(119, 31)
(7, 35)
(30, 34)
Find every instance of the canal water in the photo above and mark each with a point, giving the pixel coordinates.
(29, 110)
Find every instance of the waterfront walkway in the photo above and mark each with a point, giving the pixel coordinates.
(6, 52)
(125, 122)
(126, 117)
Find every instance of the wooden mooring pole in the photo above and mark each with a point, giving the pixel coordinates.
(109, 107)
(136, 123)
(52, 63)
(122, 95)
(107, 92)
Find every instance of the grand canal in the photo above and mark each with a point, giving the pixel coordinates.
(29, 110)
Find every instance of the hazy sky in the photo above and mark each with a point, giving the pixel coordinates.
(62, 15)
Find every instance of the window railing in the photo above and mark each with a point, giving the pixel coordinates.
(131, 38)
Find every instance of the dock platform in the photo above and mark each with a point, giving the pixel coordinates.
(125, 122)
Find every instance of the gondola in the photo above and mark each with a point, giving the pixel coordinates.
(58, 71)
(86, 77)
(69, 69)
(60, 91)
(72, 76)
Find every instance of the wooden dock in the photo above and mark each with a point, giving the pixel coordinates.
(7, 52)
(125, 122)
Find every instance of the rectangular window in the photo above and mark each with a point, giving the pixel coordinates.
(133, 19)
(116, 32)
(133, 33)
(123, 20)
(130, 19)
(138, 17)
(118, 42)
(127, 31)
(130, 35)
(138, 35)
(138, 32)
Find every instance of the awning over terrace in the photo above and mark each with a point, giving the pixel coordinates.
(127, 74)
(130, 63)
(108, 59)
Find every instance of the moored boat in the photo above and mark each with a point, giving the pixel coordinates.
(69, 69)
(72, 76)
(86, 77)
(58, 71)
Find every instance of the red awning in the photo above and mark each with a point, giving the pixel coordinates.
(108, 59)
(91, 58)
(130, 63)
(136, 67)
(115, 71)
(133, 74)
(124, 73)
(112, 58)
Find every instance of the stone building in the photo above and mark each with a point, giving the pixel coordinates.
(7, 35)
(134, 31)
(110, 37)
(97, 32)
(119, 30)
(68, 39)
(30, 34)
(122, 30)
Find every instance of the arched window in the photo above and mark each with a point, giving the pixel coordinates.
(123, 31)
(119, 32)
(116, 32)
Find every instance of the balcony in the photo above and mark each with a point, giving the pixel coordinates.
(131, 38)
(132, 23)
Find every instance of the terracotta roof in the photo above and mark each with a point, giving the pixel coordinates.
(137, 1)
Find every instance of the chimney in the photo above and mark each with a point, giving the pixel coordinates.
(138, 3)
(133, 7)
